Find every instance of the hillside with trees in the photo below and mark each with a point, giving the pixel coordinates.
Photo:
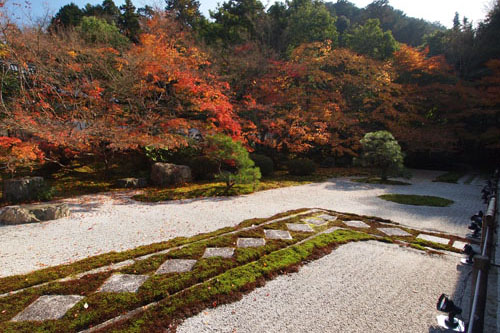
(304, 78)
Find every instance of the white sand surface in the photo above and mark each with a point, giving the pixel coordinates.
(113, 222)
(360, 287)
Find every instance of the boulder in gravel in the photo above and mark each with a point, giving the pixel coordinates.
(22, 189)
(17, 215)
(131, 182)
(163, 174)
(33, 213)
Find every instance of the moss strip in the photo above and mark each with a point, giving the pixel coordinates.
(228, 286)
(17, 282)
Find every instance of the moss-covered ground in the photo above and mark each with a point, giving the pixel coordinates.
(450, 177)
(212, 281)
(370, 180)
(417, 200)
(90, 178)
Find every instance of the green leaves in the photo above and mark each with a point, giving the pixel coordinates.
(382, 151)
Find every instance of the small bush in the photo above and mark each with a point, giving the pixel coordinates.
(301, 167)
(45, 193)
(204, 168)
(265, 164)
(328, 162)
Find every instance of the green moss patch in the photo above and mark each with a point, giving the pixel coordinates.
(417, 200)
(450, 177)
(379, 181)
(229, 285)
(212, 281)
(16, 282)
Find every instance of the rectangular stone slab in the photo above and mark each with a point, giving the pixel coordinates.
(176, 266)
(299, 227)
(459, 245)
(327, 217)
(277, 234)
(356, 224)
(224, 252)
(250, 242)
(394, 232)
(314, 220)
(123, 283)
(434, 239)
(48, 307)
(332, 229)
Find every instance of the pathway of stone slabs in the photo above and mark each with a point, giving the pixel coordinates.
(54, 307)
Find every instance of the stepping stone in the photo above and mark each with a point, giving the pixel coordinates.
(327, 217)
(356, 224)
(123, 283)
(314, 220)
(460, 245)
(176, 266)
(224, 252)
(299, 227)
(434, 239)
(277, 234)
(394, 232)
(250, 242)
(48, 307)
(332, 229)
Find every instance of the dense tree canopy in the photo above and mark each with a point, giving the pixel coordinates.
(301, 78)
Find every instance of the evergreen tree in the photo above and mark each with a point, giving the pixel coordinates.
(310, 21)
(187, 12)
(68, 16)
(235, 165)
(370, 40)
(129, 21)
(110, 12)
(382, 152)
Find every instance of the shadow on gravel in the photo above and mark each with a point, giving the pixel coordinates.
(347, 185)
(461, 296)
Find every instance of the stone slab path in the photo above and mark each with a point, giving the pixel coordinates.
(435, 239)
(113, 222)
(359, 287)
(48, 307)
(123, 283)
(356, 224)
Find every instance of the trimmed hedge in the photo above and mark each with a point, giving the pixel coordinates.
(301, 167)
(265, 164)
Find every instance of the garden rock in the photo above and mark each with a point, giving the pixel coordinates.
(17, 215)
(131, 182)
(163, 174)
(33, 213)
(22, 189)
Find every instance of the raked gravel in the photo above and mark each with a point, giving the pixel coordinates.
(113, 222)
(359, 287)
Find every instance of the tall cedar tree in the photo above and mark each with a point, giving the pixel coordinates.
(129, 21)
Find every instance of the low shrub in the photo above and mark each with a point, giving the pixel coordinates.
(265, 164)
(327, 162)
(46, 193)
(301, 167)
(204, 168)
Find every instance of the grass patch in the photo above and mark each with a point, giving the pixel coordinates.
(450, 177)
(369, 180)
(417, 200)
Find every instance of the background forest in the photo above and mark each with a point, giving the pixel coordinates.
(303, 78)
